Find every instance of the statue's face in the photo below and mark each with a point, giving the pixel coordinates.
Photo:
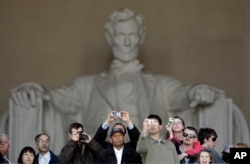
(126, 40)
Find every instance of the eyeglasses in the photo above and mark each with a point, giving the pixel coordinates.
(189, 135)
(213, 139)
(3, 143)
(43, 141)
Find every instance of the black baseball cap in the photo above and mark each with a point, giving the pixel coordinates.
(116, 130)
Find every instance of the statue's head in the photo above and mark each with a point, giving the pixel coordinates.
(125, 31)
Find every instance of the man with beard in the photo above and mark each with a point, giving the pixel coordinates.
(152, 146)
(189, 138)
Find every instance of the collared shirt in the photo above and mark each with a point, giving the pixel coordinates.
(44, 159)
(159, 141)
(157, 151)
(118, 154)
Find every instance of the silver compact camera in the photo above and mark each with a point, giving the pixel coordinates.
(117, 114)
(151, 122)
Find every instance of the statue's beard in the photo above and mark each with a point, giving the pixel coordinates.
(124, 55)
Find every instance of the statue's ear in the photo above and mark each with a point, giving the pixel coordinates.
(142, 37)
(109, 37)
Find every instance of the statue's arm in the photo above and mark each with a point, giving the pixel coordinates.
(180, 97)
(68, 99)
(175, 95)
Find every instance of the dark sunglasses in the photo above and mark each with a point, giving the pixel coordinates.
(189, 135)
(213, 139)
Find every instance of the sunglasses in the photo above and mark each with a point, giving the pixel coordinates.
(189, 135)
(213, 139)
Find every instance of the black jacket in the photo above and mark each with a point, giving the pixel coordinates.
(129, 156)
(2, 160)
(53, 159)
(192, 159)
(101, 136)
(71, 153)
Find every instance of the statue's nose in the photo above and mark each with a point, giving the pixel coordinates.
(127, 41)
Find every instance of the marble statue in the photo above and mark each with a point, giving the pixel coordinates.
(125, 86)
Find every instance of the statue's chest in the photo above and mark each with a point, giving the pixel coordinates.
(125, 86)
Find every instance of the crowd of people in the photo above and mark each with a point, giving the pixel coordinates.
(182, 144)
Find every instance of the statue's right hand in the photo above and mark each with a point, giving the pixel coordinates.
(26, 94)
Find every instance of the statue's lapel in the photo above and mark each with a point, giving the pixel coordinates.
(146, 85)
(105, 86)
(149, 86)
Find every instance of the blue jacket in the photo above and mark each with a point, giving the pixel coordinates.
(53, 159)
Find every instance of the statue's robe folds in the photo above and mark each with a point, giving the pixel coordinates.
(89, 99)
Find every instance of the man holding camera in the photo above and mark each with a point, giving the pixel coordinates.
(114, 116)
(152, 146)
(81, 148)
(119, 153)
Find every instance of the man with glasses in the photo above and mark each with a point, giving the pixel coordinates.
(81, 148)
(189, 138)
(207, 138)
(44, 156)
(152, 146)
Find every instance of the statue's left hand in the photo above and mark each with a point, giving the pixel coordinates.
(203, 95)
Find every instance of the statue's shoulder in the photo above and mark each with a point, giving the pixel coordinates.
(158, 77)
(90, 78)
(84, 78)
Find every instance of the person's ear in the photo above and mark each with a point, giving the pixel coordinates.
(36, 144)
(124, 139)
(70, 135)
(109, 37)
(160, 126)
(110, 140)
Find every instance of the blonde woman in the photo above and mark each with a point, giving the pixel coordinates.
(205, 157)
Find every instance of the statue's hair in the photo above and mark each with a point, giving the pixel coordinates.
(121, 15)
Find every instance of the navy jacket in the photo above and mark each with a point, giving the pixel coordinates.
(101, 136)
(53, 159)
(129, 156)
